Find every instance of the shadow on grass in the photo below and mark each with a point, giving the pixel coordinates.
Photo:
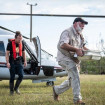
(4, 86)
(34, 86)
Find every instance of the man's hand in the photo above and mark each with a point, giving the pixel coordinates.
(79, 52)
(25, 64)
(8, 65)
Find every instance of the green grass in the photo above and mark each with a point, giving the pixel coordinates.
(92, 89)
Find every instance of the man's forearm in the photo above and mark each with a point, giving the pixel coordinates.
(7, 57)
(24, 56)
(85, 48)
(68, 47)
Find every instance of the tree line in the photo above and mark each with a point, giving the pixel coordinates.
(93, 66)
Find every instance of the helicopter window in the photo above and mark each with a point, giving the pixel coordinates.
(45, 55)
(2, 49)
(27, 56)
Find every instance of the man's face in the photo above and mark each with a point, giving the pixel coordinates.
(79, 26)
(18, 39)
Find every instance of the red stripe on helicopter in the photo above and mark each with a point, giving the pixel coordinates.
(3, 63)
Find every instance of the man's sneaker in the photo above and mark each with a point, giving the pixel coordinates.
(55, 96)
(79, 102)
(17, 91)
(11, 93)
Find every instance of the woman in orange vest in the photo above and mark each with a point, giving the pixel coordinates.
(14, 54)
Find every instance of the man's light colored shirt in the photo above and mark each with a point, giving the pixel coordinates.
(64, 38)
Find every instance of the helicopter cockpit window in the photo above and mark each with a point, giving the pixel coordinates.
(2, 49)
(27, 56)
(45, 55)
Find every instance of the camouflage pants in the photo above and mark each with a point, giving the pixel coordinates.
(72, 81)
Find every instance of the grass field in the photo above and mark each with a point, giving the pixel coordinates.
(92, 89)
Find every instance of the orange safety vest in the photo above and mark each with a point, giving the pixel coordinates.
(14, 48)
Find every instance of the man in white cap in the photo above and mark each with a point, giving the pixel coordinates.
(71, 45)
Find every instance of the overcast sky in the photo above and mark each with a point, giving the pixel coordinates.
(49, 28)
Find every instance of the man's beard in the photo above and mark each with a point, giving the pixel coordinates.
(79, 29)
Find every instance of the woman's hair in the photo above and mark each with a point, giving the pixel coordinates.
(18, 33)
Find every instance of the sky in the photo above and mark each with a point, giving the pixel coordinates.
(49, 29)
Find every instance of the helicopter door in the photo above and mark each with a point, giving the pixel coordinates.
(37, 45)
